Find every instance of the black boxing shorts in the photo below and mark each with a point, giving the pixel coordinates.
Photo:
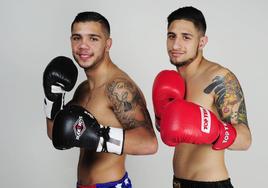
(122, 183)
(183, 183)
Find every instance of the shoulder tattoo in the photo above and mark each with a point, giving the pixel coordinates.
(229, 98)
(128, 104)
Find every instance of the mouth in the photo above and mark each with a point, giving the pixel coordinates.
(176, 54)
(85, 56)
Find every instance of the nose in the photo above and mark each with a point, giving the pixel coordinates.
(84, 44)
(176, 44)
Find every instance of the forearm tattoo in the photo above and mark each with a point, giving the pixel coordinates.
(229, 98)
(128, 104)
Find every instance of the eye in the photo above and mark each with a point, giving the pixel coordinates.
(94, 39)
(186, 37)
(76, 38)
(171, 36)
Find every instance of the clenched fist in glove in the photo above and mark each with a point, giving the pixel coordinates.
(74, 126)
(59, 77)
(185, 122)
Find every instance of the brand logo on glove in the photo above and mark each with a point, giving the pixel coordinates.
(205, 120)
(79, 127)
(226, 134)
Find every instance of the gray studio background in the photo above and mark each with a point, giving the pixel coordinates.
(33, 32)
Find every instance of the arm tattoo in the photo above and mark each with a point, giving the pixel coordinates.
(229, 98)
(128, 104)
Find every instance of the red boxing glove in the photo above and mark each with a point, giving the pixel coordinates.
(168, 85)
(186, 122)
(226, 137)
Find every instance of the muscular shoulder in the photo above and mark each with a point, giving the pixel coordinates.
(127, 102)
(215, 75)
(218, 76)
(212, 69)
(125, 91)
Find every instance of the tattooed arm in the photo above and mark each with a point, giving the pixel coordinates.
(230, 104)
(130, 109)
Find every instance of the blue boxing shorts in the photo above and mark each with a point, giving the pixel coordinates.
(122, 183)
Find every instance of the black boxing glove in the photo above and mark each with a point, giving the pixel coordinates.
(74, 126)
(59, 77)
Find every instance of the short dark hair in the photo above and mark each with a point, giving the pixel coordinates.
(92, 16)
(191, 14)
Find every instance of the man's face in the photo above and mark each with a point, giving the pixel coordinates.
(183, 42)
(89, 43)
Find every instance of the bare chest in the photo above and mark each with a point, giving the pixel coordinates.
(98, 104)
(195, 92)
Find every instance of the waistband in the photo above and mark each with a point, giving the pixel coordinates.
(181, 183)
(124, 182)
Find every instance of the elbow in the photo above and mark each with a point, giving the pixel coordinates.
(242, 143)
(151, 147)
(154, 146)
(243, 146)
(243, 139)
(247, 143)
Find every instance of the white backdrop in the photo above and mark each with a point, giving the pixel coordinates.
(33, 32)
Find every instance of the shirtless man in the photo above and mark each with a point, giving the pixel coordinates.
(200, 108)
(107, 116)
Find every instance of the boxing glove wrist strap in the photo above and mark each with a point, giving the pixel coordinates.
(52, 107)
(48, 107)
(226, 137)
(111, 140)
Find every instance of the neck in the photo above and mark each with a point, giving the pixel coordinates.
(98, 74)
(191, 68)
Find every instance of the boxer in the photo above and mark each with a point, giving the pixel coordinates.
(107, 118)
(200, 108)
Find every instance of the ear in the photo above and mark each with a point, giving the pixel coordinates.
(202, 42)
(108, 44)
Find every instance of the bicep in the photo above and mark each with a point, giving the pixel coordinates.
(128, 104)
(230, 101)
